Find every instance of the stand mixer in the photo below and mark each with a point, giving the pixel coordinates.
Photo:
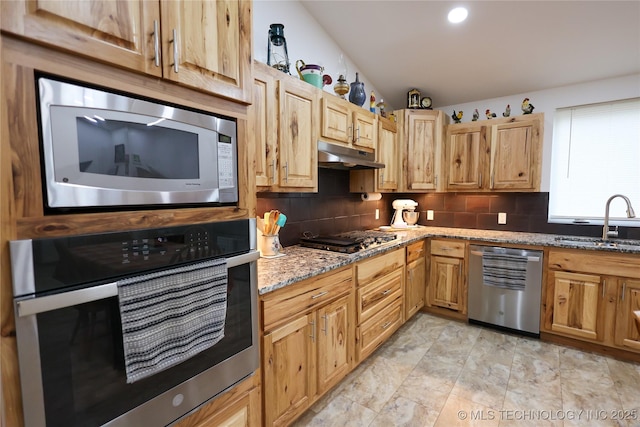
(402, 219)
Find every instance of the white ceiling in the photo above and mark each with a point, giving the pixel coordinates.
(503, 48)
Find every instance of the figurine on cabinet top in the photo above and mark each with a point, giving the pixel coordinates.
(457, 117)
(476, 115)
(527, 108)
(507, 111)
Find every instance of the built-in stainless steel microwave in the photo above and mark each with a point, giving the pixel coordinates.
(105, 149)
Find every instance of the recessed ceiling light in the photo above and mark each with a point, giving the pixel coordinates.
(457, 15)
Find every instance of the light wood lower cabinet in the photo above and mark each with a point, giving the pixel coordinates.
(577, 306)
(415, 286)
(447, 287)
(592, 296)
(307, 344)
(379, 300)
(627, 325)
(239, 407)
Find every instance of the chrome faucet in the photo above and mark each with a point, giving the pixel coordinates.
(606, 233)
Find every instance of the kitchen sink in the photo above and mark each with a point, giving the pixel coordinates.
(586, 242)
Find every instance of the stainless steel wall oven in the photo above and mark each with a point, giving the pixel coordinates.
(70, 333)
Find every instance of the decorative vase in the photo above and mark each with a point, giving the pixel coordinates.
(342, 87)
(356, 94)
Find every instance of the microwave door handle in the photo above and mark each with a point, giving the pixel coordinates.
(29, 307)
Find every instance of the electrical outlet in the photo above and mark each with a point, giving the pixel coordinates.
(377, 213)
(430, 215)
(502, 218)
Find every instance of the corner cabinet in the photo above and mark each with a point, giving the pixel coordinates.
(201, 44)
(284, 117)
(495, 155)
(307, 344)
(447, 287)
(592, 296)
(420, 135)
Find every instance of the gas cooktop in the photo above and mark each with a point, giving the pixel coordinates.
(349, 242)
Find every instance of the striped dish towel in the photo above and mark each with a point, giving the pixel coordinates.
(171, 315)
(504, 271)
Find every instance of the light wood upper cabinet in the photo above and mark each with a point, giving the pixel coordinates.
(213, 47)
(297, 135)
(495, 155)
(516, 154)
(386, 179)
(420, 139)
(347, 124)
(465, 153)
(120, 32)
(213, 38)
(263, 113)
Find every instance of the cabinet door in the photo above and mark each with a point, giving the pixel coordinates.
(336, 120)
(415, 287)
(297, 136)
(513, 156)
(334, 343)
(465, 157)
(122, 32)
(421, 151)
(627, 333)
(387, 152)
(364, 132)
(445, 286)
(213, 47)
(264, 113)
(576, 305)
(289, 364)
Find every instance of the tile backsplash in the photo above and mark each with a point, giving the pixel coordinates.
(335, 210)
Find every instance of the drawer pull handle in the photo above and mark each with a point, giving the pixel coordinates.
(386, 325)
(386, 292)
(321, 294)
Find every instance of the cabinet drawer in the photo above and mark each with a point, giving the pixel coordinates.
(611, 264)
(376, 330)
(448, 248)
(374, 268)
(415, 251)
(379, 294)
(303, 296)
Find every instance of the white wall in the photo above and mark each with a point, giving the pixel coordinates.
(547, 101)
(306, 40)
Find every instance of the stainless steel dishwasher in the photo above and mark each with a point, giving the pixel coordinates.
(504, 288)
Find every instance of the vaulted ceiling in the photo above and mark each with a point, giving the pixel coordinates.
(503, 48)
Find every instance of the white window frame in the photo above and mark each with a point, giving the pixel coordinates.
(595, 154)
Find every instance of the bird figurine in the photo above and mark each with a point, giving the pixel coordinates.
(489, 114)
(457, 117)
(527, 108)
(507, 111)
(476, 115)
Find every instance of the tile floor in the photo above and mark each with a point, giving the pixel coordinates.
(437, 372)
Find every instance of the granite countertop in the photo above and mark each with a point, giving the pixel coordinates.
(299, 263)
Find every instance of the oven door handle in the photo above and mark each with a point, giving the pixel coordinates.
(29, 307)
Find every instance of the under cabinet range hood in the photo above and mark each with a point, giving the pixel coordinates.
(338, 157)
